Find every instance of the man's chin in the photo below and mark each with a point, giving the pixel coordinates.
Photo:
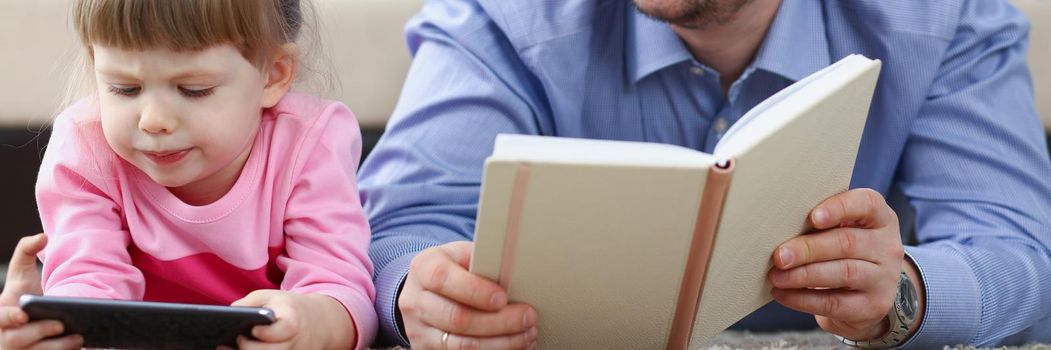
(671, 12)
(684, 22)
(692, 14)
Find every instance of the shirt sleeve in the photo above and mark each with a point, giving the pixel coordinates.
(976, 171)
(326, 232)
(420, 184)
(79, 204)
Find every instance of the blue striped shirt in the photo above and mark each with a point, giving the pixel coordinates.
(952, 126)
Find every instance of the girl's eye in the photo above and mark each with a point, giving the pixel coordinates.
(124, 90)
(196, 93)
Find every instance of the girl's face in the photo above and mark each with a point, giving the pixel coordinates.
(186, 119)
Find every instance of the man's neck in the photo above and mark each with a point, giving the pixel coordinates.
(729, 47)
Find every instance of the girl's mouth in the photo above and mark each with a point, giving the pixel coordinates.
(166, 157)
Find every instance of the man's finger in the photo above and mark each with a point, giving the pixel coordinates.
(439, 312)
(849, 306)
(838, 243)
(455, 341)
(443, 271)
(851, 274)
(853, 330)
(861, 207)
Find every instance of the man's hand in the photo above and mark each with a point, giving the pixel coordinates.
(312, 321)
(440, 296)
(24, 278)
(846, 273)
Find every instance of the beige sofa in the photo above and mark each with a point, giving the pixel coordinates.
(1039, 12)
(362, 37)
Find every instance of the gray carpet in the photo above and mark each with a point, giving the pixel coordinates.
(733, 340)
(816, 340)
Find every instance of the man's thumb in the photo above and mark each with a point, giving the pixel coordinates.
(459, 252)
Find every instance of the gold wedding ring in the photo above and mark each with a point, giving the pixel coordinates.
(445, 340)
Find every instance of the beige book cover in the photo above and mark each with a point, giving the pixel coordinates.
(639, 245)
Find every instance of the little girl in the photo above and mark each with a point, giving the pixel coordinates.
(193, 175)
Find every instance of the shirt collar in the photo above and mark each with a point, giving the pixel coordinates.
(794, 47)
(651, 45)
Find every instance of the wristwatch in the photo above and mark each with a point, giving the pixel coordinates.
(901, 316)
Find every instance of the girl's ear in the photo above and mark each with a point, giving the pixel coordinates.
(280, 73)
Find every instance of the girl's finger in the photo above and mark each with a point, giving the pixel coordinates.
(29, 334)
(72, 341)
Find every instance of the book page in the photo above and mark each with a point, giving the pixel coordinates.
(761, 121)
(590, 151)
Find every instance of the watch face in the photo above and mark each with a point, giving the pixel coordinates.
(907, 298)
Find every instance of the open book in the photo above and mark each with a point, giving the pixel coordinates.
(640, 245)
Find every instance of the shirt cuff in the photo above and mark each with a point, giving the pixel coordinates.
(360, 309)
(953, 306)
(355, 302)
(388, 286)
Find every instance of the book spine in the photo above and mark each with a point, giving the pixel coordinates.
(514, 217)
(709, 214)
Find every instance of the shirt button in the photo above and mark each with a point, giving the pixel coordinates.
(720, 126)
(698, 71)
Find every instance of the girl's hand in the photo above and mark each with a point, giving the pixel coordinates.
(303, 322)
(24, 278)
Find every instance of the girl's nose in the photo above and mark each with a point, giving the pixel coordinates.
(157, 119)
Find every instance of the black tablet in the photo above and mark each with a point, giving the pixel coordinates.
(152, 325)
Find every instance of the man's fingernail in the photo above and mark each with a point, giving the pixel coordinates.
(497, 300)
(820, 216)
(786, 256)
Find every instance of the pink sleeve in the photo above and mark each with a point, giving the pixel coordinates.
(326, 232)
(78, 199)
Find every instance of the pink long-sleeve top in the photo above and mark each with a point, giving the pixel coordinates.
(292, 221)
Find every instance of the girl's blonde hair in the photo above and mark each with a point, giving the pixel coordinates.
(256, 27)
